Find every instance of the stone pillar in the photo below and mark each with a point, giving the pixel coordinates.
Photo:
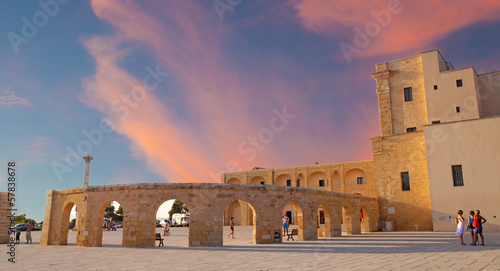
(355, 220)
(308, 222)
(335, 220)
(384, 99)
(4, 218)
(267, 222)
(87, 159)
(48, 229)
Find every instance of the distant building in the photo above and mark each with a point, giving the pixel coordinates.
(438, 152)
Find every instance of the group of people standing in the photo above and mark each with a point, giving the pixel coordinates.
(474, 225)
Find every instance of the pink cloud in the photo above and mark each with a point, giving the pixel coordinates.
(223, 108)
(9, 97)
(418, 23)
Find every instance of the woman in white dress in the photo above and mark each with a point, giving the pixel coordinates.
(460, 226)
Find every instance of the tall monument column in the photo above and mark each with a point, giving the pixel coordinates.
(87, 159)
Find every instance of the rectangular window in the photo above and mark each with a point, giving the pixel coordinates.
(436, 121)
(459, 83)
(298, 182)
(262, 183)
(288, 182)
(322, 183)
(408, 95)
(405, 180)
(458, 109)
(361, 180)
(458, 178)
(411, 130)
(435, 87)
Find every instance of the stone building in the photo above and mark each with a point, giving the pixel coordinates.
(438, 150)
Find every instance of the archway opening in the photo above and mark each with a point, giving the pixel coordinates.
(243, 223)
(324, 221)
(300, 181)
(346, 221)
(68, 232)
(318, 180)
(284, 180)
(258, 180)
(112, 223)
(233, 181)
(292, 213)
(172, 223)
(336, 182)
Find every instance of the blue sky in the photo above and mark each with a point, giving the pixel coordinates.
(187, 84)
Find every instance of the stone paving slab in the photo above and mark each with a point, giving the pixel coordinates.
(371, 251)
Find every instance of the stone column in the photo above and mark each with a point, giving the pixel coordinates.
(87, 159)
(4, 218)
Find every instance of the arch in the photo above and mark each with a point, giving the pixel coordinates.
(336, 181)
(241, 213)
(179, 229)
(257, 180)
(242, 205)
(234, 181)
(346, 220)
(324, 221)
(104, 227)
(282, 180)
(296, 217)
(351, 177)
(316, 178)
(64, 230)
(301, 181)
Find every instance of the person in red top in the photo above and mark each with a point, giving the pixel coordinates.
(361, 216)
(478, 227)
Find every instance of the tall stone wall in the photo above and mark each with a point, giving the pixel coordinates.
(392, 155)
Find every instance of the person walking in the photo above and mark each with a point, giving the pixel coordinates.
(166, 231)
(478, 227)
(460, 226)
(231, 226)
(28, 233)
(470, 227)
(286, 223)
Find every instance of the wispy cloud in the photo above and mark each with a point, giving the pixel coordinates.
(418, 24)
(9, 97)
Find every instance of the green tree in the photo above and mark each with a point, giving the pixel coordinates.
(109, 212)
(177, 207)
(119, 214)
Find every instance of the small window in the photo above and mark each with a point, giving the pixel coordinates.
(361, 180)
(435, 87)
(458, 179)
(458, 109)
(298, 182)
(288, 182)
(322, 183)
(405, 180)
(262, 183)
(411, 130)
(459, 83)
(436, 121)
(408, 95)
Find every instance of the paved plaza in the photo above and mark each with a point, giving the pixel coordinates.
(370, 251)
